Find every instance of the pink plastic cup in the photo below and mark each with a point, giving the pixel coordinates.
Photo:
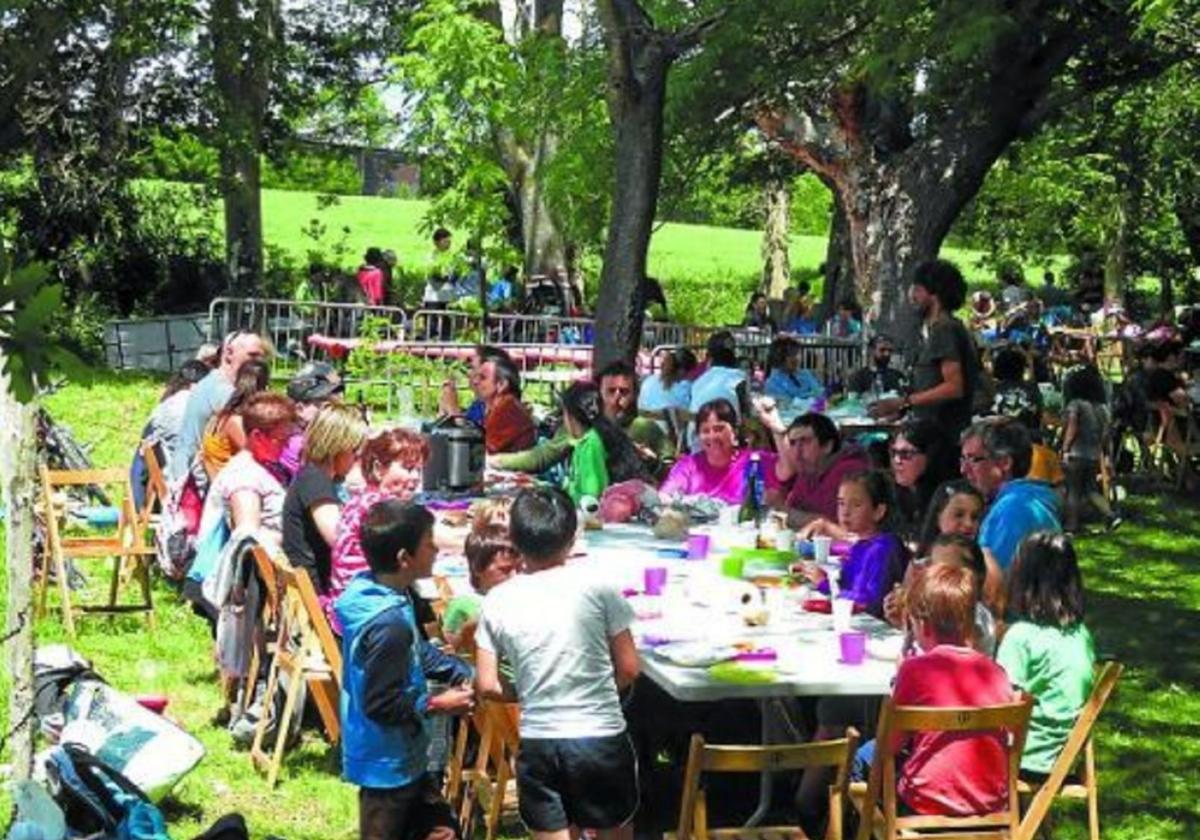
(656, 579)
(854, 647)
(697, 546)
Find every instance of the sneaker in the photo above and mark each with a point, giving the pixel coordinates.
(1114, 522)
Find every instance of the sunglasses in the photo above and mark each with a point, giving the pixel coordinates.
(905, 454)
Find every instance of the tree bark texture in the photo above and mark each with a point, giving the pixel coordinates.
(639, 59)
(543, 246)
(19, 475)
(243, 57)
(839, 271)
(777, 269)
(903, 181)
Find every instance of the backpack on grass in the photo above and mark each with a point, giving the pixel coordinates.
(98, 800)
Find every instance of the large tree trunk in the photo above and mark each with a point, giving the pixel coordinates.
(902, 192)
(542, 244)
(838, 268)
(639, 58)
(777, 268)
(19, 490)
(243, 57)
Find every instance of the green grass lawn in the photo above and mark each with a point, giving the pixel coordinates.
(1143, 603)
(708, 272)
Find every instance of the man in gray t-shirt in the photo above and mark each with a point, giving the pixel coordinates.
(210, 395)
(946, 368)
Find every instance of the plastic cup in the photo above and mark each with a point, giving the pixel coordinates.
(842, 609)
(697, 546)
(655, 580)
(727, 516)
(785, 540)
(821, 547)
(854, 647)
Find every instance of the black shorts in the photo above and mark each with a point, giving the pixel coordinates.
(583, 782)
(412, 812)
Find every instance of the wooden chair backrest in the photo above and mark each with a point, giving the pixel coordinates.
(129, 533)
(713, 758)
(156, 484)
(272, 584)
(495, 761)
(1080, 737)
(330, 646)
(1009, 718)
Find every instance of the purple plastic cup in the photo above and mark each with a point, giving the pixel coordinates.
(854, 647)
(697, 546)
(656, 579)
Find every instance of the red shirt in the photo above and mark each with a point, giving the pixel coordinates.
(817, 492)
(370, 278)
(953, 773)
(507, 426)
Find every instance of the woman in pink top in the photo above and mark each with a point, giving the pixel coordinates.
(719, 468)
(391, 464)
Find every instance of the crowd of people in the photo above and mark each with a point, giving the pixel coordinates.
(955, 526)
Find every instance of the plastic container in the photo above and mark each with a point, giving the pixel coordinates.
(854, 647)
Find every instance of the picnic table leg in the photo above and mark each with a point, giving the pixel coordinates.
(765, 778)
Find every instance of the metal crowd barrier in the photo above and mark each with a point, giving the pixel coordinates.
(410, 375)
(161, 343)
(287, 324)
(831, 359)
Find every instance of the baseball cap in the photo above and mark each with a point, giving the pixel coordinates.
(313, 382)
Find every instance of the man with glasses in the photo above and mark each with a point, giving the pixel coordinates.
(996, 455)
(210, 395)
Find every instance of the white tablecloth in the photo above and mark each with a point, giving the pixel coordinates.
(699, 604)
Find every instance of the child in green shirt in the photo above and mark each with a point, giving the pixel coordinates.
(1047, 650)
(490, 561)
(602, 453)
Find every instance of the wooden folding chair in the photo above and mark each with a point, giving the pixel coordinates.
(705, 758)
(267, 640)
(1173, 459)
(885, 823)
(306, 652)
(458, 774)
(1086, 785)
(126, 546)
(156, 486)
(488, 785)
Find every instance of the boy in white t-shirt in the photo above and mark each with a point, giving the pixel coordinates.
(566, 635)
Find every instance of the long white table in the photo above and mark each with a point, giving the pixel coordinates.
(700, 604)
(806, 646)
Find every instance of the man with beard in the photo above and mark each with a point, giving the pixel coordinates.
(880, 372)
(618, 386)
(946, 366)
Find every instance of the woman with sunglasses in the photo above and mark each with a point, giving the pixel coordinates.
(919, 463)
(313, 504)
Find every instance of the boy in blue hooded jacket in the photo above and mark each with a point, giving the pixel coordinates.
(385, 701)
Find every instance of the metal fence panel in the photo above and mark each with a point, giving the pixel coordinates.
(288, 324)
(159, 344)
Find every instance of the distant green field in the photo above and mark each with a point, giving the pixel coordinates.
(708, 272)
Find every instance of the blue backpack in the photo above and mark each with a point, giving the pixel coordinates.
(98, 800)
